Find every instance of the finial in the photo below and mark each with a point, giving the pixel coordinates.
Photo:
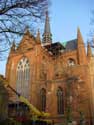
(78, 28)
(89, 51)
(13, 46)
(27, 32)
(26, 28)
(78, 31)
(46, 13)
(38, 37)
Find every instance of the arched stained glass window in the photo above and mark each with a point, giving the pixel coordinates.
(43, 99)
(23, 77)
(60, 101)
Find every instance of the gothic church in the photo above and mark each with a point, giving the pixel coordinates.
(52, 75)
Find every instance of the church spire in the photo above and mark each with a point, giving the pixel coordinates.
(38, 37)
(89, 51)
(47, 36)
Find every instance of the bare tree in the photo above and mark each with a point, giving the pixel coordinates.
(3, 99)
(15, 15)
(91, 32)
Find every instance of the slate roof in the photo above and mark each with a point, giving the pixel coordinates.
(70, 45)
(55, 48)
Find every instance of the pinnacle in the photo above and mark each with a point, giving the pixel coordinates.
(27, 32)
(38, 36)
(79, 36)
(13, 46)
(89, 51)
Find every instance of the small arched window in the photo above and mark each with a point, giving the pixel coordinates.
(60, 101)
(71, 62)
(23, 77)
(43, 99)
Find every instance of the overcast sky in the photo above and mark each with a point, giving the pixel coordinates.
(65, 17)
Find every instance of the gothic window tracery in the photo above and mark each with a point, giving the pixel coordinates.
(60, 101)
(71, 62)
(23, 77)
(43, 99)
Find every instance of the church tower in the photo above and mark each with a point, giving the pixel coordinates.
(47, 36)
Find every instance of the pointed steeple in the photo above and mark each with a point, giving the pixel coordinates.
(79, 36)
(38, 37)
(89, 51)
(27, 32)
(81, 52)
(47, 36)
(13, 47)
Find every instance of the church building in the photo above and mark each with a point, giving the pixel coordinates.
(55, 77)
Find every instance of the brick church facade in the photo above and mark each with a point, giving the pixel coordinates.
(55, 77)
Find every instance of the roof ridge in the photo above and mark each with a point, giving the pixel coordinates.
(72, 40)
(70, 45)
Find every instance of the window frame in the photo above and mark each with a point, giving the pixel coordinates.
(71, 62)
(43, 99)
(60, 101)
(22, 83)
